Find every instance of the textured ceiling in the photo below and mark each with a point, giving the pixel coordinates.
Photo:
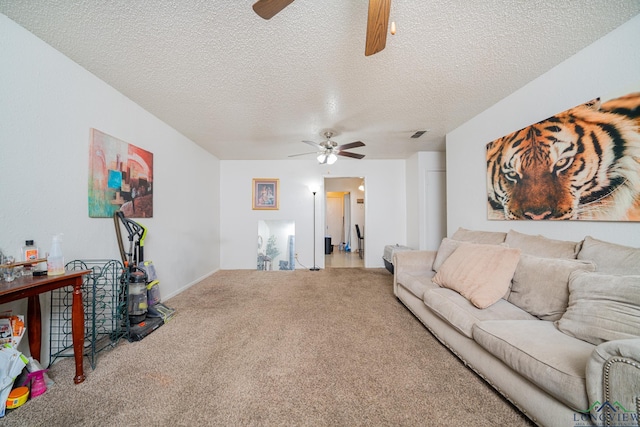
(246, 88)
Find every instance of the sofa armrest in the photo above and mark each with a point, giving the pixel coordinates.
(613, 379)
(415, 262)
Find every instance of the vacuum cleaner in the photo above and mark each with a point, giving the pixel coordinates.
(140, 287)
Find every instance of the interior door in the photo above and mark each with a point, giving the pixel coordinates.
(335, 218)
(346, 229)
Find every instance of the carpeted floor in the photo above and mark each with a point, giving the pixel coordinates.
(327, 348)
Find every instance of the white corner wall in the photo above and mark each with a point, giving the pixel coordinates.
(48, 104)
(385, 212)
(426, 200)
(608, 67)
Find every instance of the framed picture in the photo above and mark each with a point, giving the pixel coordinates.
(581, 164)
(266, 193)
(120, 178)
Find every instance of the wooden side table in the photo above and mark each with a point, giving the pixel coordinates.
(31, 288)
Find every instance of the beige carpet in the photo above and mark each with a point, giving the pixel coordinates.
(328, 348)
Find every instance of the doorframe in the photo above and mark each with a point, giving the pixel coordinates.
(356, 194)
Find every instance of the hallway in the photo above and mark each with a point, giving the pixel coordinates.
(342, 259)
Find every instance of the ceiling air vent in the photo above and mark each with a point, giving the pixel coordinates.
(419, 133)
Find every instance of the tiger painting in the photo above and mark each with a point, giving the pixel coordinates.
(581, 164)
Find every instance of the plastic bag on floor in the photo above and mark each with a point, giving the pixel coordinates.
(12, 362)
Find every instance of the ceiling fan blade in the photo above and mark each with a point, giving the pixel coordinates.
(303, 154)
(348, 154)
(313, 144)
(377, 24)
(267, 9)
(350, 145)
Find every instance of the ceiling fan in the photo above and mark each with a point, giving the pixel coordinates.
(377, 20)
(328, 150)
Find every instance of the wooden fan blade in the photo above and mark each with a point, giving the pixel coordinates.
(377, 24)
(267, 9)
(350, 145)
(348, 154)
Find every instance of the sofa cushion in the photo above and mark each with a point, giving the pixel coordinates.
(481, 273)
(446, 248)
(611, 258)
(602, 307)
(535, 349)
(542, 246)
(462, 315)
(417, 282)
(540, 286)
(476, 236)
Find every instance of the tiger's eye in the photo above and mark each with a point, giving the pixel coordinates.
(563, 164)
(511, 175)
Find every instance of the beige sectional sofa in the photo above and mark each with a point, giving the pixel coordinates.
(554, 326)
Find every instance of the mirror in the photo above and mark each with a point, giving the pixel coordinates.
(276, 245)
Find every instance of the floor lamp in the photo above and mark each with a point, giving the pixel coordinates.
(315, 267)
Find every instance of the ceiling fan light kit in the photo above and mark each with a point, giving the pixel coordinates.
(328, 151)
(327, 158)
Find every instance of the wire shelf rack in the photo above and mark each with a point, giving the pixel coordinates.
(105, 310)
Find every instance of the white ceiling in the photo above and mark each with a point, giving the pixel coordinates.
(246, 88)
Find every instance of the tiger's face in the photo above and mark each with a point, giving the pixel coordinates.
(580, 164)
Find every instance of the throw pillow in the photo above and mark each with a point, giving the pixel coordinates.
(611, 258)
(447, 247)
(480, 273)
(542, 246)
(602, 307)
(540, 286)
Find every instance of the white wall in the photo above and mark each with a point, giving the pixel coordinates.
(48, 104)
(426, 200)
(384, 206)
(415, 202)
(608, 67)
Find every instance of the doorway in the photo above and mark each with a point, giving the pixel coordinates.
(344, 208)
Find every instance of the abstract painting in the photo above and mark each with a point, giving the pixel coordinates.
(120, 178)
